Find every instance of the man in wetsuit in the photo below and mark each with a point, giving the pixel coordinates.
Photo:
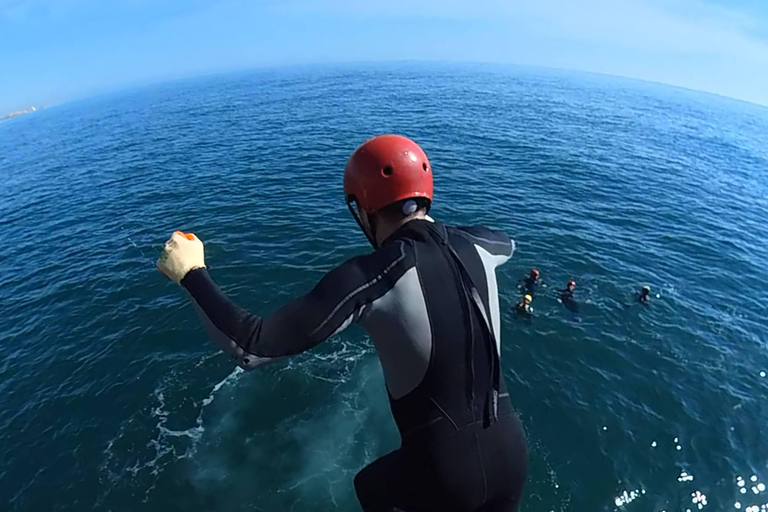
(644, 295)
(567, 294)
(428, 297)
(530, 283)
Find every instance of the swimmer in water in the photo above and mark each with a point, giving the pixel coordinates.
(567, 294)
(524, 306)
(531, 282)
(644, 295)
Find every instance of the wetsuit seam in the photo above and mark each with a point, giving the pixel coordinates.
(413, 430)
(357, 290)
(447, 416)
(482, 467)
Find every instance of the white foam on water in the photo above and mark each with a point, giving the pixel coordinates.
(166, 447)
(322, 440)
(627, 497)
(699, 499)
(232, 377)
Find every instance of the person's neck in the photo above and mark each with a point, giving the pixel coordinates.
(388, 229)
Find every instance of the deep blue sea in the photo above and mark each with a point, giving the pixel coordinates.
(112, 398)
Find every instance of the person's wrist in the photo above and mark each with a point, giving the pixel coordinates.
(190, 273)
(191, 269)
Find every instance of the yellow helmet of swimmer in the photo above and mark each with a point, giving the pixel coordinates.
(528, 298)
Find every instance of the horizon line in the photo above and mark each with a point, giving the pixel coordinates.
(147, 84)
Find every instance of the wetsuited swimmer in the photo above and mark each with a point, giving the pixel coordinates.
(427, 295)
(524, 306)
(531, 283)
(566, 295)
(644, 295)
(567, 299)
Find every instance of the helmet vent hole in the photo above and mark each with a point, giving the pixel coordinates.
(387, 171)
(424, 166)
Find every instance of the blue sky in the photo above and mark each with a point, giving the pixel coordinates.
(54, 50)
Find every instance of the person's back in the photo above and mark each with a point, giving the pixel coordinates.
(428, 298)
(422, 328)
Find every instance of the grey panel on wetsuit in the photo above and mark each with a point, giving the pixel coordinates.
(490, 262)
(494, 248)
(398, 323)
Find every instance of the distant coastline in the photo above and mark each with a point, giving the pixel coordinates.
(18, 113)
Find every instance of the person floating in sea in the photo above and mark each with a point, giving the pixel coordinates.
(436, 335)
(566, 295)
(524, 306)
(530, 283)
(644, 295)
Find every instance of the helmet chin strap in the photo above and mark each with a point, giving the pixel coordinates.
(370, 236)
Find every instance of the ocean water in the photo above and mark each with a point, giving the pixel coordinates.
(112, 398)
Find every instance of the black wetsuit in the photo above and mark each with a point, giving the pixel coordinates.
(529, 284)
(566, 295)
(522, 309)
(428, 298)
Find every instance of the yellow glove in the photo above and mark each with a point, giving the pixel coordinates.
(182, 252)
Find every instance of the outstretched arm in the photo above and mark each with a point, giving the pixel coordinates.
(333, 304)
(298, 326)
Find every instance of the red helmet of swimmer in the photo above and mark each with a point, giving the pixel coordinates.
(387, 169)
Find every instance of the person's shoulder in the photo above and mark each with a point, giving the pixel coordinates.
(360, 273)
(380, 261)
(495, 241)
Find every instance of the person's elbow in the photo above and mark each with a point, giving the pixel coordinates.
(250, 362)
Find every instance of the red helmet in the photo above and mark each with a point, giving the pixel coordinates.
(535, 272)
(571, 283)
(387, 169)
